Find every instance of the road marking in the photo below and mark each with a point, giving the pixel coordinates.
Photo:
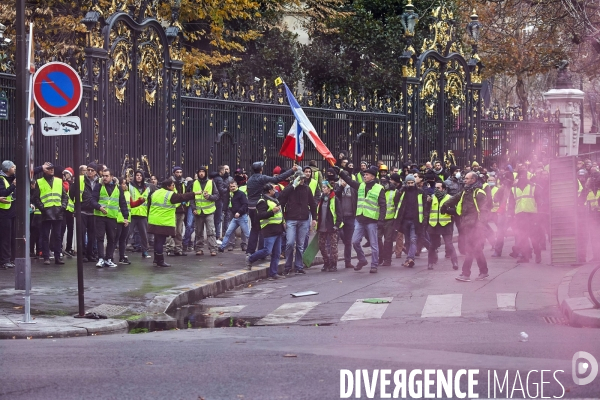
(360, 310)
(226, 309)
(442, 305)
(288, 313)
(507, 301)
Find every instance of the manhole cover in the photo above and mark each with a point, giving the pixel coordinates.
(555, 320)
(108, 309)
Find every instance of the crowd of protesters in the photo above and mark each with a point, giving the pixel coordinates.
(401, 211)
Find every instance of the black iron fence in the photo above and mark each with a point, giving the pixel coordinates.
(216, 131)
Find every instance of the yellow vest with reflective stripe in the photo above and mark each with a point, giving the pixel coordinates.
(435, 217)
(359, 178)
(390, 210)
(70, 205)
(110, 203)
(594, 203)
(204, 206)
(141, 211)
(419, 202)
(162, 212)
(50, 196)
(244, 189)
(495, 205)
(81, 187)
(313, 186)
(332, 209)
(369, 205)
(9, 198)
(524, 200)
(475, 193)
(120, 218)
(277, 218)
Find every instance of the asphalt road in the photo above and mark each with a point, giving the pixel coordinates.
(471, 328)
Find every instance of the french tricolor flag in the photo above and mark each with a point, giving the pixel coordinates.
(293, 145)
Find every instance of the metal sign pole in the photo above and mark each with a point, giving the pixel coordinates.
(78, 227)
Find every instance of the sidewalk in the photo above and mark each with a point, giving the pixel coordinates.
(573, 297)
(136, 289)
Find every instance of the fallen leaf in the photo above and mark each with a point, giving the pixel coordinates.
(220, 265)
(241, 396)
(249, 285)
(18, 307)
(222, 312)
(290, 355)
(29, 337)
(149, 363)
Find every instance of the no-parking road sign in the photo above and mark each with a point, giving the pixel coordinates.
(57, 89)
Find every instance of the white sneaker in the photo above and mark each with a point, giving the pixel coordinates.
(219, 242)
(110, 264)
(100, 263)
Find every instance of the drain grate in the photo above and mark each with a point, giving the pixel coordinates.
(108, 309)
(555, 320)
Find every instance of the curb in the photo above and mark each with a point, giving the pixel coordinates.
(579, 311)
(211, 287)
(58, 327)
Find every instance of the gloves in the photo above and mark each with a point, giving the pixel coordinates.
(337, 169)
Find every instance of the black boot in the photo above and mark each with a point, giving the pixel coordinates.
(155, 259)
(160, 261)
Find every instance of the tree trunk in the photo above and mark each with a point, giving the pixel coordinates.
(522, 95)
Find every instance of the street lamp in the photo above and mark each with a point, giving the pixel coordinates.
(474, 29)
(409, 19)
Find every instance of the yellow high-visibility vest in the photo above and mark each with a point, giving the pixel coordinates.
(50, 196)
(277, 218)
(9, 198)
(162, 212)
(475, 193)
(204, 206)
(110, 203)
(141, 211)
(435, 216)
(368, 205)
(120, 218)
(419, 202)
(524, 199)
(390, 210)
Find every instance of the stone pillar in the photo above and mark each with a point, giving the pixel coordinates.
(567, 102)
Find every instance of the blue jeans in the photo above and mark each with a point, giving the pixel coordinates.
(410, 235)
(242, 222)
(370, 231)
(296, 233)
(189, 227)
(272, 246)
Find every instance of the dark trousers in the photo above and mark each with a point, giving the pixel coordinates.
(105, 226)
(121, 237)
(461, 238)
(89, 230)
(474, 241)
(346, 235)
(432, 256)
(7, 240)
(35, 238)
(159, 243)
(51, 238)
(502, 223)
(385, 247)
(67, 225)
(218, 219)
(526, 231)
(255, 236)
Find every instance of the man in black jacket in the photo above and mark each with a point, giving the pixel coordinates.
(370, 213)
(7, 215)
(238, 207)
(51, 215)
(106, 216)
(348, 199)
(298, 204)
(255, 185)
(270, 218)
(90, 181)
(472, 206)
(174, 246)
(410, 216)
